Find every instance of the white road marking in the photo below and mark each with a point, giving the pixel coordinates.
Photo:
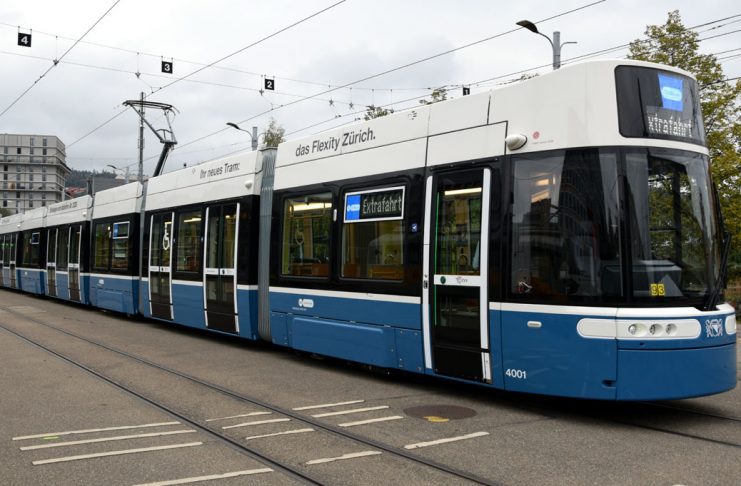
(342, 458)
(239, 416)
(104, 439)
(354, 410)
(90, 431)
(371, 421)
(297, 431)
(209, 478)
(327, 405)
(445, 441)
(257, 422)
(114, 453)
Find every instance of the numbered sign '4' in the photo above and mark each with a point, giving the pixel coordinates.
(24, 40)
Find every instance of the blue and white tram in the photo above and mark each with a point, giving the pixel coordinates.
(557, 236)
(9, 227)
(200, 246)
(67, 228)
(31, 250)
(113, 281)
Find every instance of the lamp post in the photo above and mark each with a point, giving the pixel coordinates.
(125, 169)
(252, 135)
(556, 44)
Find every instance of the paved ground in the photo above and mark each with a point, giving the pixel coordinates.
(46, 402)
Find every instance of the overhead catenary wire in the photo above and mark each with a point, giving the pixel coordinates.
(56, 61)
(315, 96)
(253, 44)
(440, 54)
(388, 71)
(602, 51)
(218, 61)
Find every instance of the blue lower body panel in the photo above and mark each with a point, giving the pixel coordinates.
(116, 294)
(356, 342)
(32, 281)
(675, 373)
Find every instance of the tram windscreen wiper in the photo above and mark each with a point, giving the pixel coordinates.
(715, 292)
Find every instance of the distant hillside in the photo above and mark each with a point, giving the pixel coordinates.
(79, 178)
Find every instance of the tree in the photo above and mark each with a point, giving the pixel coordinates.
(5, 212)
(438, 94)
(274, 134)
(373, 111)
(675, 45)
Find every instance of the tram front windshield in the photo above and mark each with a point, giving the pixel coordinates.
(571, 243)
(674, 239)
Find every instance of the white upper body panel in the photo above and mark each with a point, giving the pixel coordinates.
(10, 224)
(70, 211)
(233, 176)
(119, 200)
(33, 219)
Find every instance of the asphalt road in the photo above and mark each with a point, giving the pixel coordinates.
(63, 424)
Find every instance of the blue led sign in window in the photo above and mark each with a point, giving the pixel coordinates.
(671, 92)
(352, 207)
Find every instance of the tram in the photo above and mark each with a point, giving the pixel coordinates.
(558, 236)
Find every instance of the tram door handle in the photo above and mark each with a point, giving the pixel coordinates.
(424, 283)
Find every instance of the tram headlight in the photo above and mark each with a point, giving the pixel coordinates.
(638, 329)
(655, 329)
(671, 329)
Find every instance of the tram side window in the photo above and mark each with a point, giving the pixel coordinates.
(373, 235)
(306, 235)
(120, 242)
(102, 246)
(565, 226)
(31, 248)
(62, 243)
(190, 232)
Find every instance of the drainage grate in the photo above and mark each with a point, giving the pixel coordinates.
(440, 413)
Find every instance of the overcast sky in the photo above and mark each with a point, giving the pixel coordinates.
(348, 42)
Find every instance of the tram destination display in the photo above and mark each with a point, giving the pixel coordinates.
(381, 204)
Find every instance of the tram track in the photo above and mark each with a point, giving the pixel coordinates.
(248, 451)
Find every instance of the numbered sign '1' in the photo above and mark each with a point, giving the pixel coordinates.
(24, 40)
(167, 67)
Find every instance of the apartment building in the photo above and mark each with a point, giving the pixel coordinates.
(33, 169)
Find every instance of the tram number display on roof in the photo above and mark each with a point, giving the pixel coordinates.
(374, 205)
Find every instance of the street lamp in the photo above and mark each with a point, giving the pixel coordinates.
(252, 135)
(125, 169)
(555, 43)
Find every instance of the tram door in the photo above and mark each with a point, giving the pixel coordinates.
(51, 261)
(11, 241)
(2, 260)
(73, 267)
(455, 294)
(220, 272)
(160, 265)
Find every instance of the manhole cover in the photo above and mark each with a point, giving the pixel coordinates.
(440, 413)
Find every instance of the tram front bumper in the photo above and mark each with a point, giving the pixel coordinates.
(668, 374)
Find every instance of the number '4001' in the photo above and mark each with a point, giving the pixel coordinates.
(518, 374)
